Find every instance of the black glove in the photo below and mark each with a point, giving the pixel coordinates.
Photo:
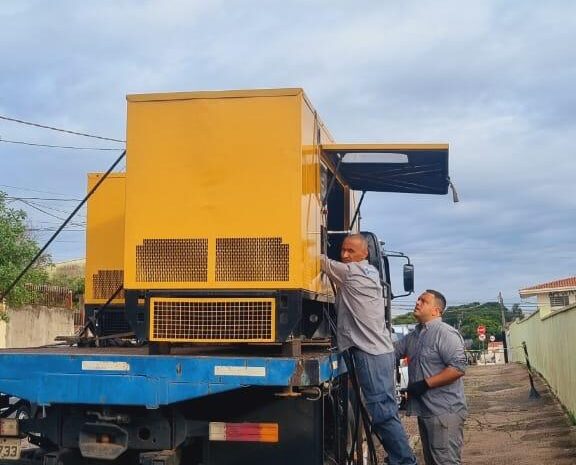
(417, 388)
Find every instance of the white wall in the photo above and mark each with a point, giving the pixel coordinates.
(33, 326)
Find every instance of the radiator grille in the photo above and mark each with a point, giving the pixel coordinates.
(106, 282)
(252, 259)
(213, 320)
(172, 260)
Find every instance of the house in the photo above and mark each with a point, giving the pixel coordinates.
(553, 295)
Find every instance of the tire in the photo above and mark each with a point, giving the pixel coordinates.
(23, 412)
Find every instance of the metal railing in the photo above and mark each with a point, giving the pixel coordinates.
(49, 296)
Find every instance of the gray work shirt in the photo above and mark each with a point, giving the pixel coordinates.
(360, 306)
(432, 347)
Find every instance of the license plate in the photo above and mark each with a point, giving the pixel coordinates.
(9, 448)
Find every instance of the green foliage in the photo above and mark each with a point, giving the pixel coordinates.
(17, 248)
(466, 318)
(70, 279)
(406, 319)
(517, 312)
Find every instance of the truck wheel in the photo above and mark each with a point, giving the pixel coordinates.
(23, 412)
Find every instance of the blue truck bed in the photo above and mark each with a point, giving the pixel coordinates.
(129, 376)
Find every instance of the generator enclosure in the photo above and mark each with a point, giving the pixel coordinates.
(224, 213)
(104, 271)
(231, 198)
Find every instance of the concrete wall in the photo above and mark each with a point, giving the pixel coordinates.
(33, 326)
(551, 342)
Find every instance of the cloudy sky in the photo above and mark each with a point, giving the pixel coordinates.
(495, 79)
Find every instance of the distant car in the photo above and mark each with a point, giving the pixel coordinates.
(401, 373)
(399, 332)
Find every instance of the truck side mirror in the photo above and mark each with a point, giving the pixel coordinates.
(408, 277)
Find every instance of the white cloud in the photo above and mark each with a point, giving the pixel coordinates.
(495, 79)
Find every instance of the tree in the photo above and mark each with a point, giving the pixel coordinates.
(517, 312)
(405, 319)
(466, 319)
(17, 248)
(70, 277)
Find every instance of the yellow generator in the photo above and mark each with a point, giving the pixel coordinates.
(104, 272)
(230, 199)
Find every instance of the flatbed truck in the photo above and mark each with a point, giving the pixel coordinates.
(219, 406)
(208, 249)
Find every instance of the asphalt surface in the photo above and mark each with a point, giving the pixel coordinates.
(505, 426)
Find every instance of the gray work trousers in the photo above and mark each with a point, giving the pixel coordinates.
(442, 438)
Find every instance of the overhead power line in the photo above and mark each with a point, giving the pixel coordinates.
(47, 199)
(41, 205)
(54, 229)
(67, 131)
(5, 292)
(71, 147)
(30, 190)
(35, 207)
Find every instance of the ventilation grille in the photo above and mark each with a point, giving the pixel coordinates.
(113, 321)
(213, 320)
(172, 260)
(106, 282)
(252, 259)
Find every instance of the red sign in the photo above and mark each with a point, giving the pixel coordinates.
(481, 329)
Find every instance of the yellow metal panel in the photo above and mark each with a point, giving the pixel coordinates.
(213, 169)
(314, 133)
(105, 238)
(216, 94)
(212, 319)
(381, 147)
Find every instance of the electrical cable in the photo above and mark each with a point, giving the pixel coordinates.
(46, 199)
(30, 190)
(70, 147)
(38, 205)
(53, 229)
(30, 204)
(67, 131)
(62, 226)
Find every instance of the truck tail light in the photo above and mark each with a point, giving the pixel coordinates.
(243, 432)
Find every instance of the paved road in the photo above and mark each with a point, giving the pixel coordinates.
(505, 427)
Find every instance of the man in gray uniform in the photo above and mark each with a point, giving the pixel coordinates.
(436, 364)
(361, 330)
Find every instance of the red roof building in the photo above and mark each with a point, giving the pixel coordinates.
(553, 295)
(566, 283)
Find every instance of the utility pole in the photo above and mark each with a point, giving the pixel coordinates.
(502, 314)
